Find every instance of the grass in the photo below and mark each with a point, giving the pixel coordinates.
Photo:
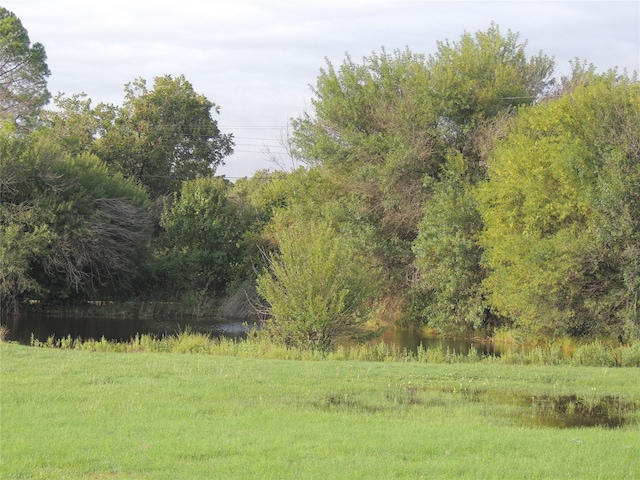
(258, 345)
(69, 413)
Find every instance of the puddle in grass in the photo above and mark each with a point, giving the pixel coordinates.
(562, 411)
(547, 411)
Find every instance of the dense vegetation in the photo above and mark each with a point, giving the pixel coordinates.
(471, 191)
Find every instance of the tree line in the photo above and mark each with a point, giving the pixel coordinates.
(472, 190)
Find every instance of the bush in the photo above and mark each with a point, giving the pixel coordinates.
(317, 287)
(594, 354)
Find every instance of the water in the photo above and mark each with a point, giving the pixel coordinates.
(560, 411)
(125, 328)
(116, 329)
(411, 340)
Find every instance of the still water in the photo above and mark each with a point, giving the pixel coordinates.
(123, 329)
(115, 329)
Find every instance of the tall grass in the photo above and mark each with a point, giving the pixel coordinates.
(4, 333)
(259, 345)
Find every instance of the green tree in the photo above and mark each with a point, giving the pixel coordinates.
(202, 242)
(480, 76)
(70, 228)
(23, 73)
(561, 213)
(448, 296)
(372, 132)
(73, 124)
(163, 136)
(317, 287)
(475, 84)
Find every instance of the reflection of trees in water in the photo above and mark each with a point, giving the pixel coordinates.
(121, 329)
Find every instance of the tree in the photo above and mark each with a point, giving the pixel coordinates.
(23, 73)
(560, 211)
(202, 238)
(480, 76)
(317, 287)
(372, 132)
(163, 136)
(476, 83)
(73, 124)
(70, 228)
(448, 295)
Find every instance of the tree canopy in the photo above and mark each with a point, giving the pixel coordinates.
(468, 190)
(476, 84)
(561, 213)
(23, 73)
(69, 227)
(163, 136)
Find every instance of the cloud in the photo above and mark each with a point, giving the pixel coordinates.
(257, 59)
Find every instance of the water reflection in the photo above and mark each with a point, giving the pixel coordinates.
(411, 340)
(560, 411)
(125, 328)
(116, 329)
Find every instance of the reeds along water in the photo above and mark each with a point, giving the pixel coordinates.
(257, 344)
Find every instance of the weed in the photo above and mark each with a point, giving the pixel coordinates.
(4, 333)
(261, 345)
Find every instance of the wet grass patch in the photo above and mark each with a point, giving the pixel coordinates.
(334, 402)
(561, 411)
(392, 401)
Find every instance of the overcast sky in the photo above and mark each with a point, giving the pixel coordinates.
(257, 59)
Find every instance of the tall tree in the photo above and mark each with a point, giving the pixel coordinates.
(475, 83)
(560, 209)
(23, 73)
(73, 124)
(372, 130)
(478, 77)
(163, 136)
(69, 228)
(201, 243)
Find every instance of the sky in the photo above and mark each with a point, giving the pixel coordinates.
(258, 59)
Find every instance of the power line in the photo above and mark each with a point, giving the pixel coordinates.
(252, 138)
(248, 127)
(259, 146)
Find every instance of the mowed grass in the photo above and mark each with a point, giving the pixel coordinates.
(76, 414)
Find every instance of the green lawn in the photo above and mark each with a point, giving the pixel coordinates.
(75, 414)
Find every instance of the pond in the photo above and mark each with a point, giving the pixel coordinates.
(123, 329)
(115, 329)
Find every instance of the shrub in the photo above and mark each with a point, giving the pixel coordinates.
(317, 287)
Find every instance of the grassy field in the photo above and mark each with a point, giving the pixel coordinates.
(77, 414)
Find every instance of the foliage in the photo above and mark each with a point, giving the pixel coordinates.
(69, 227)
(475, 83)
(388, 205)
(200, 248)
(560, 213)
(316, 286)
(73, 124)
(447, 294)
(23, 73)
(478, 77)
(371, 130)
(163, 136)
